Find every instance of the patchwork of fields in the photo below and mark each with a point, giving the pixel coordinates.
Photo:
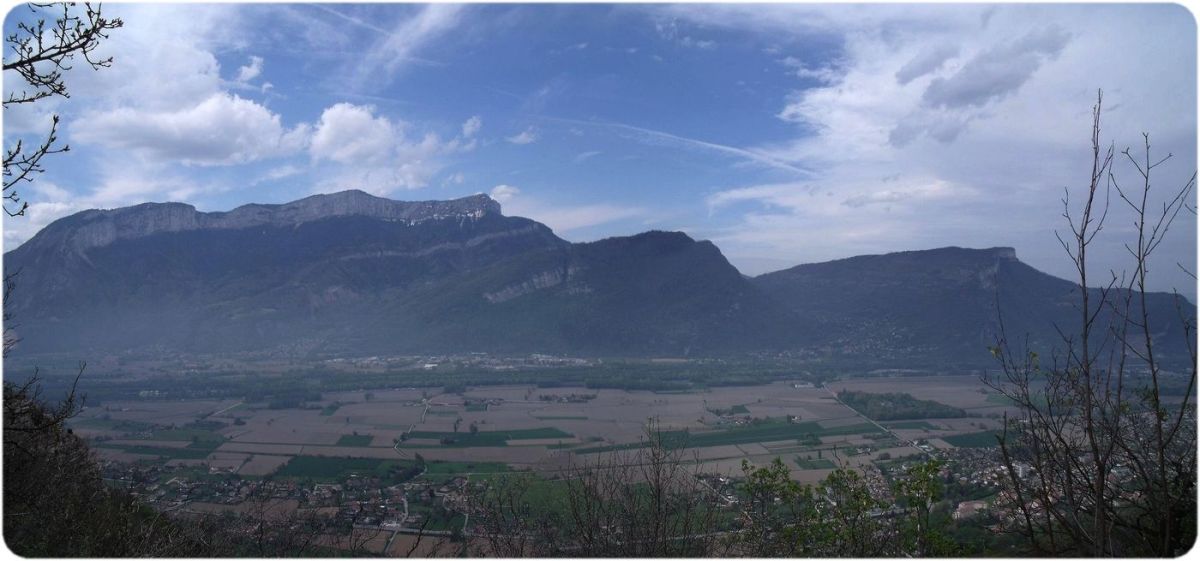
(495, 428)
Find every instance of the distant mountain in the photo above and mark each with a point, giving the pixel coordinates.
(350, 274)
(945, 304)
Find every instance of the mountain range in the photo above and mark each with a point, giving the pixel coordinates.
(350, 274)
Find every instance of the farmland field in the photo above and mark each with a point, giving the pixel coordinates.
(525, 427)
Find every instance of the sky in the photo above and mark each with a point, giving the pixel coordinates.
(785, 134)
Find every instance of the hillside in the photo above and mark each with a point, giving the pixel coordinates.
(945, 304)
(350, 274)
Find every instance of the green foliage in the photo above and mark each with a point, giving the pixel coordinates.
(325, 468)
(918, 491)
(805, 463)
(57, 505)
(767, 431)
(735, 410)
(487, 438)
(897, 406)
(910, 425)
(455, 468)
(833, 519)
(163, 452)
(982, 439)
(355, 440)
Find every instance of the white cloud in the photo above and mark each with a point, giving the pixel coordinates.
(374, 153)
(222, 129)
(704, 44)
(471, 127)
(926, 61)
(162, 58)
(48, 202)
(669, 30)
(584, 156)
(660, 138)
(250, 71)
(504, 193)
(280, 172)
(945, 127)
(996, 72)
(823, 74)
(352, 134)
(527, 136)
(562, 218)
(399, 45)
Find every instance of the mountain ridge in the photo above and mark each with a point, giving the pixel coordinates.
(350, 273)
(95, 228)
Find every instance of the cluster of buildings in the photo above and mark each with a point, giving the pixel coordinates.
(358, 502)
(476, 360)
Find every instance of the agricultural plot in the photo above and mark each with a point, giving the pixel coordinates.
(355, 440)
(965, 392)
(805, 463)
(334, 469)
(921, 425)
(973, 439)
(263, 464)
(155, 412)
(521, 428)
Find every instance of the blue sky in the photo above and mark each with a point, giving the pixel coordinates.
(783, 133)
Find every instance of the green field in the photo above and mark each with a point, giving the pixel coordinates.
(439, 468)
(910, 425)
(487, 438)
(560, 417)
(188, 453)
(544, 495)
(981, 439)
(815, 464)
(113, 424)
(999, 399)
(330, 409)
(477, 407)
(194, 435)
(765, 432)
(355, 440)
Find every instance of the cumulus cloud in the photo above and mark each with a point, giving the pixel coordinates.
(379, 154)
(353, 134)
(163, 59)
(222, 129)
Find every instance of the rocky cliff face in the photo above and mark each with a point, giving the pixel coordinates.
(99, 228)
